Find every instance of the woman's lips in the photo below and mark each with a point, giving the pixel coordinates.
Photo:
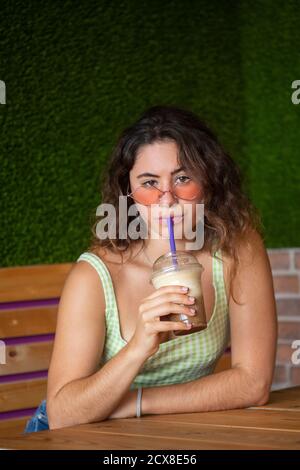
(176, 219)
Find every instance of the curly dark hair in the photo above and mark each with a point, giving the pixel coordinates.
(228, 212)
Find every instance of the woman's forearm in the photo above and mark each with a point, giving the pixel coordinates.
(93, 398)
(229, 389)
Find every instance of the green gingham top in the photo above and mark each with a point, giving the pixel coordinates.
(182, 359)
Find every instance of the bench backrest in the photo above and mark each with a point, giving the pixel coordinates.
(29, 299)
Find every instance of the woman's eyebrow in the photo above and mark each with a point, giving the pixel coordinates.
(157, 176)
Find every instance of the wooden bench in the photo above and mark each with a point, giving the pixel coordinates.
(29, 299)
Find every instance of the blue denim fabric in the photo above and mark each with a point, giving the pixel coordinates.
(39, 421)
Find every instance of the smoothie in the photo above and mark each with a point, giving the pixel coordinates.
(184, 270)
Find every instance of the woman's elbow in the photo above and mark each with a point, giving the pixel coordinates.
(57, 418)
(54, 417)
(262, 395)
(257, 390)
(263, 399)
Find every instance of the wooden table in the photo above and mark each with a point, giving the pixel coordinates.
(273, 426)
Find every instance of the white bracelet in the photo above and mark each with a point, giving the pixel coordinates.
(139, 402)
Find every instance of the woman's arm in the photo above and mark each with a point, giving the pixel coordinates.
(225, 390)
(77, 391)
(253, 349)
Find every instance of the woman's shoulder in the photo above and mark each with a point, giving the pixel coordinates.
(82, 282)
(109, 257)
(115, 262)
(117, 258)
(250, 247)
(246, 248)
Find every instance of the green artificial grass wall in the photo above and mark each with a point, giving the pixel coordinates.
(270, 38)
(77, 73)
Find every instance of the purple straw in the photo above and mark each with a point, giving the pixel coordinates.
(172, 240)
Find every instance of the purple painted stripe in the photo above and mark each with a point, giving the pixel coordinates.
(40, 374)
(28, 339)
(28, 303)
(17, 413)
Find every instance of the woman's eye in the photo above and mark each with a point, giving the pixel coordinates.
(181, 179)
(185, 179)
(148, 183)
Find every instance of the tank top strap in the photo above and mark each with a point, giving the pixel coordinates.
(103, 273)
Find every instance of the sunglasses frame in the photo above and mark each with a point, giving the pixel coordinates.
(163, 192)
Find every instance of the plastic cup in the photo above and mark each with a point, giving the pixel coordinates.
(186, 272)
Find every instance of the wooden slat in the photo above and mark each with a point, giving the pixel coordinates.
(22, 394)
(27, 357)
(28, 321)
(13, 427)
(33, 282)
(224, 363)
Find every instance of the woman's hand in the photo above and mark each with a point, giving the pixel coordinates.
(165, 300)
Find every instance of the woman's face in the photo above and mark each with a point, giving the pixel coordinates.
(157, 165)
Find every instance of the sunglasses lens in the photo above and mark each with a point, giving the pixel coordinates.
(187, 191)
(148, 195)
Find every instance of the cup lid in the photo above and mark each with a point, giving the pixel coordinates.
(175, 262)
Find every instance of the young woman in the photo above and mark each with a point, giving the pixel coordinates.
(112, 335)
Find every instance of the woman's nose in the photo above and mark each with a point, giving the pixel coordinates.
(167, 198)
